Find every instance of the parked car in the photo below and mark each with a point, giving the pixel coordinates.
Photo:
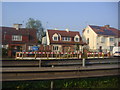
(116, 51)
(116, 54)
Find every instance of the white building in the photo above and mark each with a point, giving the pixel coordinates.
(104, 37)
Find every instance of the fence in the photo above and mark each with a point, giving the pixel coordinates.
(58, 55)
(98, 55)
(47, 55)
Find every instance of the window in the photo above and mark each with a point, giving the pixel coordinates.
(16, 38)
(88, 41)
(66, 39)
(111, 39)
(111, 48)
(87, 31)
(55, 38)
(55, 47)
(102, 39)
(77, 39)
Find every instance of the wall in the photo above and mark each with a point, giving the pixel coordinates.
(92, 38)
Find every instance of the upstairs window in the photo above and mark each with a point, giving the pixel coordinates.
(66, 39)
(76, 38)
(87, 31)
(16, 37)
(88, 41)
(102, 40)
(111, 39)
(55, 37)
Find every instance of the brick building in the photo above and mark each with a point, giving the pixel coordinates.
(17, 38)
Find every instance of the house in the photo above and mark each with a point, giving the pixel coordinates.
(63, 41)
(101, 38)
(17, 38)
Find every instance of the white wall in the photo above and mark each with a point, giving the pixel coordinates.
(47, 37)
(95, 40)
(92, 37)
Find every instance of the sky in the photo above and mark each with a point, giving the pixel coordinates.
(61, 15)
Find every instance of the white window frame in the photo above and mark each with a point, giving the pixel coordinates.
(55, 48)
(111, 40)
(102, 39)
(87, 31)
(55, 36)
(66, 39)
(16, 37)
(77, 37)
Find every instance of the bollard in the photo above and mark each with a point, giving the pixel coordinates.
(103, 55)
(39, 63)
(51, 85)
(83, 62)
(35, 55)
(52, 66)
(22, 55)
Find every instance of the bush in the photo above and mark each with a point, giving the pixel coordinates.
(4, 52)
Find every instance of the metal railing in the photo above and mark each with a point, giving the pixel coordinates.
(58, 55)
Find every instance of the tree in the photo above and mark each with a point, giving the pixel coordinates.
(36, 24)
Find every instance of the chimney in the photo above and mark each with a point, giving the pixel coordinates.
(55, 29)
(67, 29)
(17, 26)
(107, 26)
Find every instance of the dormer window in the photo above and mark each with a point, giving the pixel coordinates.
(55, 37)
(76, 38)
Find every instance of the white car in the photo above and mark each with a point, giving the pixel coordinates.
(116, 54)
(116, 51)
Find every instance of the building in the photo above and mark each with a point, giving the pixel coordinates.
(17, 38)
(101, 38)
(63, 41)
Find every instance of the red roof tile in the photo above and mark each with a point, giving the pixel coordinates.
(71, 34)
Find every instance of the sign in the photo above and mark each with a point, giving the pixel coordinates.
(35, 48)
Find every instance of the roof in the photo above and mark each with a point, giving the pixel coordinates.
(13, 31)
(22, 31)
(104, 30)
(62, 33)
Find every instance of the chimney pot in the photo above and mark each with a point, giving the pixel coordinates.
(67, 29)
(17, 26)
(107, 26)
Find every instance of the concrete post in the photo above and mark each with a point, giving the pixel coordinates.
(51, 85)
(39, 63)
(52, 66)
(83, 62)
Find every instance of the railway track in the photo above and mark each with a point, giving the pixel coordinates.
(47, 73)
(60, 62)
(19, 70)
